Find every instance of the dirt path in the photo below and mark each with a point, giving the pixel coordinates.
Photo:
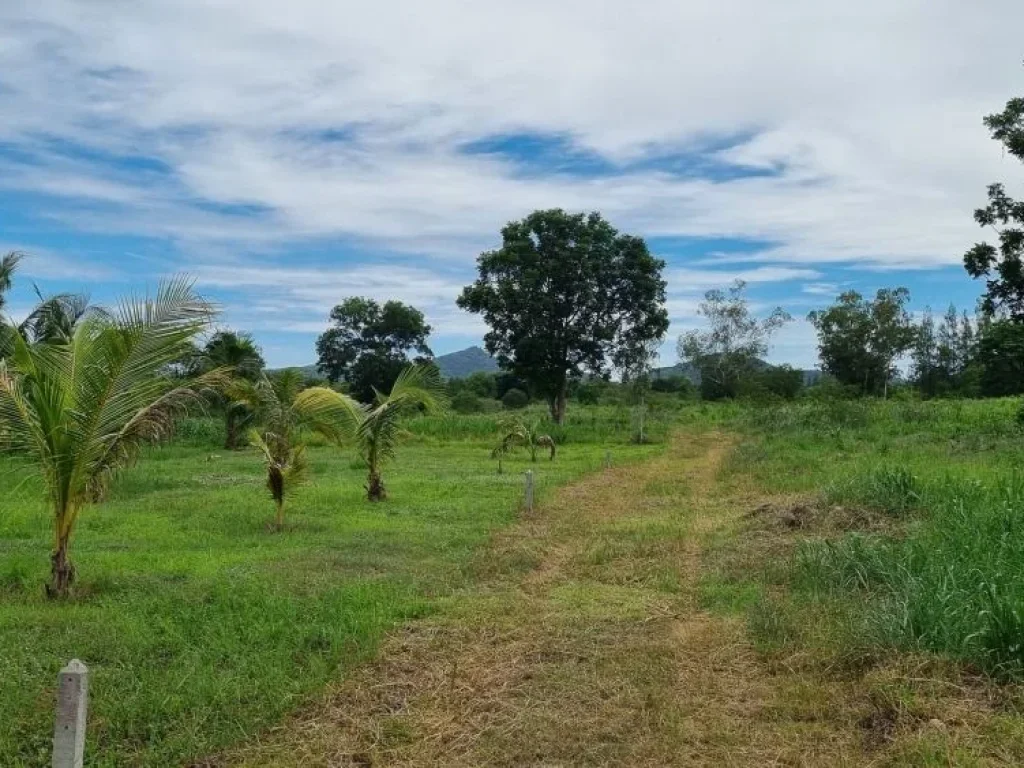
(582, 644)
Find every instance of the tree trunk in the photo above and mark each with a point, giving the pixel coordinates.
(62, 572)
(557, 405)
(279, 517)
(375, 487)
(230, 431)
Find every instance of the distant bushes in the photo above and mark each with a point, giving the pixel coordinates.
(515, 399)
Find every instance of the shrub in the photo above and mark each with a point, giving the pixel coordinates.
(467, 402)
(673, 384)
(588, 393)
(515, 399)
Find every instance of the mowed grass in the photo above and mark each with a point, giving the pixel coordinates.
(201, 627)
(916, 538)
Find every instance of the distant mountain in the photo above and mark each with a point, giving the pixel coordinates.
(459, 365)
(308, 371)
(455, 365)
(811, 377)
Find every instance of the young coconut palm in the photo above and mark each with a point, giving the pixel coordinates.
(82, 406)
(284, 409)
(501, 450)
(418, 388)
(517, 432)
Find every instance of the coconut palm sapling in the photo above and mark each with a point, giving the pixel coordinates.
(81, 407)
(418, 389)
(283, 410)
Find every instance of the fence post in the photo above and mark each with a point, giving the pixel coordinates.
(529, 490)
(72, 704)
(607, 459)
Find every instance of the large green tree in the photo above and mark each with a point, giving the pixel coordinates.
(80, 408)
(368, 345)
(733, 344)
(565, 295)
(859, 341)
(1002, 265)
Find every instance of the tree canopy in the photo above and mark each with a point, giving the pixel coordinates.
(733, 344)
(859, 341)
(565, 295)
(369, 345)
(1002, 265)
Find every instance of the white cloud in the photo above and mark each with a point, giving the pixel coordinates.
(341, 121)
(300, 300)
(821, 289)
(685, 279)
(869, 114)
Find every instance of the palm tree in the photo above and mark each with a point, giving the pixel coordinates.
(8, 266)
(82, 407)
(55, 317)
(518, 432)
(239, 352)
(284, 409)
(418, 388)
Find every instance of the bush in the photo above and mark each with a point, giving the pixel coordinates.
(515, 399)
(673, 385)
(588, 393)
(467, 402)
(777, 381)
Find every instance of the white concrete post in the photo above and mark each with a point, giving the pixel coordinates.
(72, 703)
(529, 490)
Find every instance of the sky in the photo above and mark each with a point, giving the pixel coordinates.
(290, 154)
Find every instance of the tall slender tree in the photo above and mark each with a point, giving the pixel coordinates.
(733, 344)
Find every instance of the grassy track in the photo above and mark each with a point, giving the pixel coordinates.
(663, 615)
(201, 627)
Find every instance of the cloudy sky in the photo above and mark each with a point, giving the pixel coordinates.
(290, 154)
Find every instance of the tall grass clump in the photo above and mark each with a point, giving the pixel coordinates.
(952, 584)
(892, 490)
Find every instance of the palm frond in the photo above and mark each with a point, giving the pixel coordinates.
(331, 413)
(8, 266)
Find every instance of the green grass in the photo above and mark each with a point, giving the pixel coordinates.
(201, 627)
(945, 575)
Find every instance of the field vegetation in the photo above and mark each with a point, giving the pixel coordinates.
(202, 628)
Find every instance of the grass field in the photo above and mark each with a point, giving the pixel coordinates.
(201, 627)
(809, 583)
(883, 544)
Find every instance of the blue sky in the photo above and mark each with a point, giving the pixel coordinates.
(291, 155)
